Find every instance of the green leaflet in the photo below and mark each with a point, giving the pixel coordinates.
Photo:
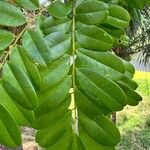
(129, 82)
(10, 134)
(133, 97)
(116, 33)
(102, 62)
(51, 25)
(21, 115)
(77, 143)
(39, 21)
(24, 83)
(20, 58)
(130, 70)
(19, 86)
(6, 39)
(112, 30)
(51, 75)
(58, 9)
(85, 103)
(64, 142)
(94, 38)
(59, 43)
(78, 2)
(54, 115)
(55, 132)
(118, 17)
(8, 12)
(92, 12)
(90, 143)
(102, 90)
(50, 100)
(100, 129)
(36, 47)
(124, 40)
(28, 4)
(106, 58)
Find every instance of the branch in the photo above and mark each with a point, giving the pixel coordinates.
(6, 54)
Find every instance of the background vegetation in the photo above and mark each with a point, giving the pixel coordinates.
(134, 122)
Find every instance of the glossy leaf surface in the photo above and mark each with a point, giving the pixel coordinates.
(6, 39)
(11, 15)
(64, 81)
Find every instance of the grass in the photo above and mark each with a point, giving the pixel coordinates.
(141, 75)
(143, 79)
(134, 122)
